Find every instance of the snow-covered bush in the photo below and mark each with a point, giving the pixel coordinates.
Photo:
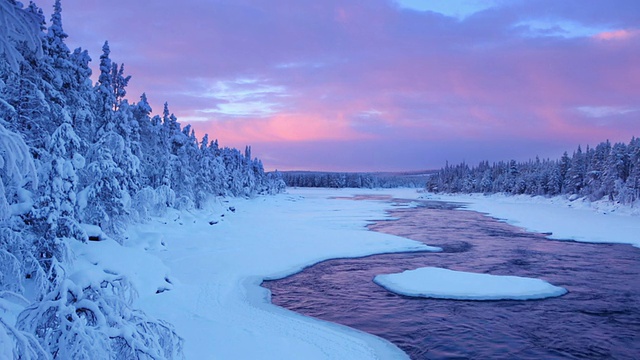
(94, 320)
(184, 203)
(165, 198)
(143, 204)
(19, 344)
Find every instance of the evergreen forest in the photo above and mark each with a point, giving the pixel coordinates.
(606, 171)
(75, 156)
(366, 180)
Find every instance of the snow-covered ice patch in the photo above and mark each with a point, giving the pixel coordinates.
(439, 283)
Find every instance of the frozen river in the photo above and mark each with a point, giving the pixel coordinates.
(598, 318)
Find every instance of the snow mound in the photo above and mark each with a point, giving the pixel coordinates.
(441, 283)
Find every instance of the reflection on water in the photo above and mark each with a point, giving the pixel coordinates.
(598, 318)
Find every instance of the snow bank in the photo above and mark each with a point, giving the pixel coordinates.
(94, 259)
(578, 220)
(431, 282)
(216, 260)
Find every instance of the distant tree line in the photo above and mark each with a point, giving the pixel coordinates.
(606, 171)
(353, 180)
(74, 153)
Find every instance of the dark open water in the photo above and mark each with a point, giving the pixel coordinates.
(598, 319)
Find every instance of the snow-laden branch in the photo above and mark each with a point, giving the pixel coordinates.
(18, 29)
(16, 171)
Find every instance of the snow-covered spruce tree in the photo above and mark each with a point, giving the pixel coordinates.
(105, 101)
(212, 168)
(153, 155)
(574, 180)
(112, 172)
(184, 158)
(105, 200)
(53, 216)
(209, 172)
(631, 193)
(80, 97)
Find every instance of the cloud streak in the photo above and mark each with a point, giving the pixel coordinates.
(301, 79)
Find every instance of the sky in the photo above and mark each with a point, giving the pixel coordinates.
(378, 85)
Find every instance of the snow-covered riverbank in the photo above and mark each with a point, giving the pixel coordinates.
(216, 302)
(564, 219)
(207, 282)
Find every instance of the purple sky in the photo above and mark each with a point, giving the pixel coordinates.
(366, 85)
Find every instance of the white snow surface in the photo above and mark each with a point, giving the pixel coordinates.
(202, 270)
(579, 220)
(216, 302)
(439, 283)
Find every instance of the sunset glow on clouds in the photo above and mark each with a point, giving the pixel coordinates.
(379, 84)
(617, 34)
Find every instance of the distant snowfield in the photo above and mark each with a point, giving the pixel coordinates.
(201, 270)
(439, 283)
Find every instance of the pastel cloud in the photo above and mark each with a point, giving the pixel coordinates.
(281, 128)
(605, 111)
(296, 78)
(242, 97)
(622, 34)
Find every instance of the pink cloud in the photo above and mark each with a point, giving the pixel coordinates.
(282, 128)
(617, 34)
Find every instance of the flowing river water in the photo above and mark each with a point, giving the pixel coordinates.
(599, 318)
